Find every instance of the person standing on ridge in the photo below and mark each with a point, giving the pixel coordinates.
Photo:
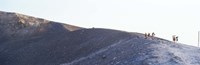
(176, 38)
(148, 34)
(153, 34)
(145, 35)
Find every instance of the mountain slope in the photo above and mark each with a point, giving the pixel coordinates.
(135, 51)
(26, 40)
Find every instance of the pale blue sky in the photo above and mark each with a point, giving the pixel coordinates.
(164, 17)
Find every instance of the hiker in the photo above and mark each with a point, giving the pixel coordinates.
(153, 34)
(145, 34)
(148, 35)
(174, 38)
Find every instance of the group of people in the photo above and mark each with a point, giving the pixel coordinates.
(175, 38)
(149, 35)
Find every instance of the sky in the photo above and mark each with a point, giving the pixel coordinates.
(164, 17)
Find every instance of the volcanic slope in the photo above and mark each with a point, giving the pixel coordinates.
(26, 40)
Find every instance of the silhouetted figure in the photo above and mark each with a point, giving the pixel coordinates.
(153, 34)
(148, 35)
(176, 38)
(145, 35)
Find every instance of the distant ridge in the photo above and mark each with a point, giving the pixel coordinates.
(29, 20)
(18, 24)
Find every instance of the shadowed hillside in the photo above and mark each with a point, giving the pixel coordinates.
(26, 40)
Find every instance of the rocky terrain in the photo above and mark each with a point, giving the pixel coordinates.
(27, 40)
